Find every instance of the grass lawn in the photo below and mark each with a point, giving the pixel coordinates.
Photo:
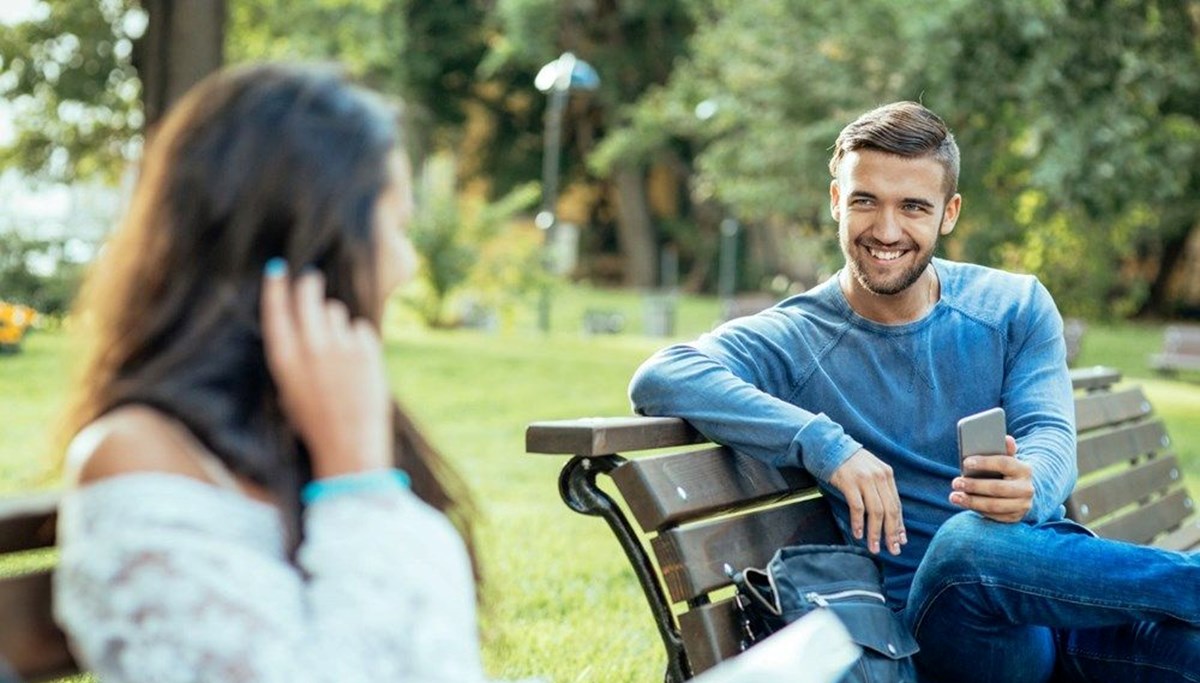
(560, 600)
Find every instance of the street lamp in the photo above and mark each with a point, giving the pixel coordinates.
(557, 79)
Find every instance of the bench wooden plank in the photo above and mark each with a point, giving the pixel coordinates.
(1093, 378)
(711, 634)
(667, 490)
(27, 522)
(1099, 449)
(29, 639)
(1186, 537)
(608, 435)
(1144, 523)
(1106, 496)
(692, 558)
(1110, 407)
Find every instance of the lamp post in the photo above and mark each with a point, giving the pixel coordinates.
(557, 79)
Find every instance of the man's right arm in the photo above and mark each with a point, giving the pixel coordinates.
(732, 385)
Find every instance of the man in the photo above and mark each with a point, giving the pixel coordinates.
(862, 380)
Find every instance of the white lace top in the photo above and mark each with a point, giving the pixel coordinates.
(168, 579)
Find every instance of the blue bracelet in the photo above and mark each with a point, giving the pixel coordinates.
(372, 481)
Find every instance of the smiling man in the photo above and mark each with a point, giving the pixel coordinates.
(862, 381)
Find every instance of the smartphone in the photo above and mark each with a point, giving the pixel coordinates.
(982, 434)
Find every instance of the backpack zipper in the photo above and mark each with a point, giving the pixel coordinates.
(823, 600)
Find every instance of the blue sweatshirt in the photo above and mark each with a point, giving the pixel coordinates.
(809, 382)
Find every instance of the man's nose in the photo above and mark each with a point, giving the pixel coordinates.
(887, 227)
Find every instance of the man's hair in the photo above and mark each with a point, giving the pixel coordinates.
(905, 129)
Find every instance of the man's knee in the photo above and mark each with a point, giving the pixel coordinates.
(966, 545)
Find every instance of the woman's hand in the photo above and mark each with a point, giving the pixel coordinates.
(329, 372)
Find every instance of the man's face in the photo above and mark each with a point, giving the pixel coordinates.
(890, 211)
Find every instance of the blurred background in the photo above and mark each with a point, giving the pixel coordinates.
(1079, 122)
(596, 178)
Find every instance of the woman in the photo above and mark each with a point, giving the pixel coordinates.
(241, 508)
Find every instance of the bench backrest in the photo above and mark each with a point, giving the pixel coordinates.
(1130, 482)
(698, 511)
(1182, 339)
(30, 642)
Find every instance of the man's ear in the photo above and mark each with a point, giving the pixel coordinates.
(950, 214)
(835, 195)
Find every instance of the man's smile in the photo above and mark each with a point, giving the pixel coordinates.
(882, 255)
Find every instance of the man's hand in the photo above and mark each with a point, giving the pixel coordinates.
(1004, 500)
(869, 488)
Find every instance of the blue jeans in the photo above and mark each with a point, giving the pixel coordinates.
(1017, 603)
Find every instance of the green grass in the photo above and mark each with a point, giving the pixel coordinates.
(561, 601)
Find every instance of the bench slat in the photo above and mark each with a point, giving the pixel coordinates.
(29, 639)
(1097, 377)
(27, 522)
(666, 490)
(1097, 450)
(711, 634)
(608, 435)
(1186, 537)
(1107, 408)
(1144, 523)
(1095, 500)
(693, 558)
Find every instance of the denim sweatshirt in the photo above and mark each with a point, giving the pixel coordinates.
(809, 382)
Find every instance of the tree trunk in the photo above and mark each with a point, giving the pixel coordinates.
(183, 43)
(1174, 249)
(635, 232)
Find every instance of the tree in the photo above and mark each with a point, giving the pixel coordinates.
(763, 91)
(633, 46)
(183, 43)
(1084, 149)
(87, 77)
(69, 78)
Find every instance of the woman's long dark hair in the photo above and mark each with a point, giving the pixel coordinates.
(253, 163)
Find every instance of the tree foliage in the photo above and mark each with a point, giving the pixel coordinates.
(69, 79)
(1079, 120)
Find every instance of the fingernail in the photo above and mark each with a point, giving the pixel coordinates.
(904, 538)
(970, 462)
(957, 484)
(858, 533)
(276, 267)
(895, 548)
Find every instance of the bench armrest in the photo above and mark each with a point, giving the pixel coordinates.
(594, 436)
(1097, 377)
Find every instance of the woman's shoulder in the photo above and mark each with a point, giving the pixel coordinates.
(139, 439)
(129, 439)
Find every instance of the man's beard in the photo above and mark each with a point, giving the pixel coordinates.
(906, 278)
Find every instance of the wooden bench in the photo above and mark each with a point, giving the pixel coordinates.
(701, 509)
(1181, 349)
(30, 641)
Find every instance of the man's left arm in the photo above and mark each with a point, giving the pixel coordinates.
(1040, 409)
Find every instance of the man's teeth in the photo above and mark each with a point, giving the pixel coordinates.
(885, 255)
